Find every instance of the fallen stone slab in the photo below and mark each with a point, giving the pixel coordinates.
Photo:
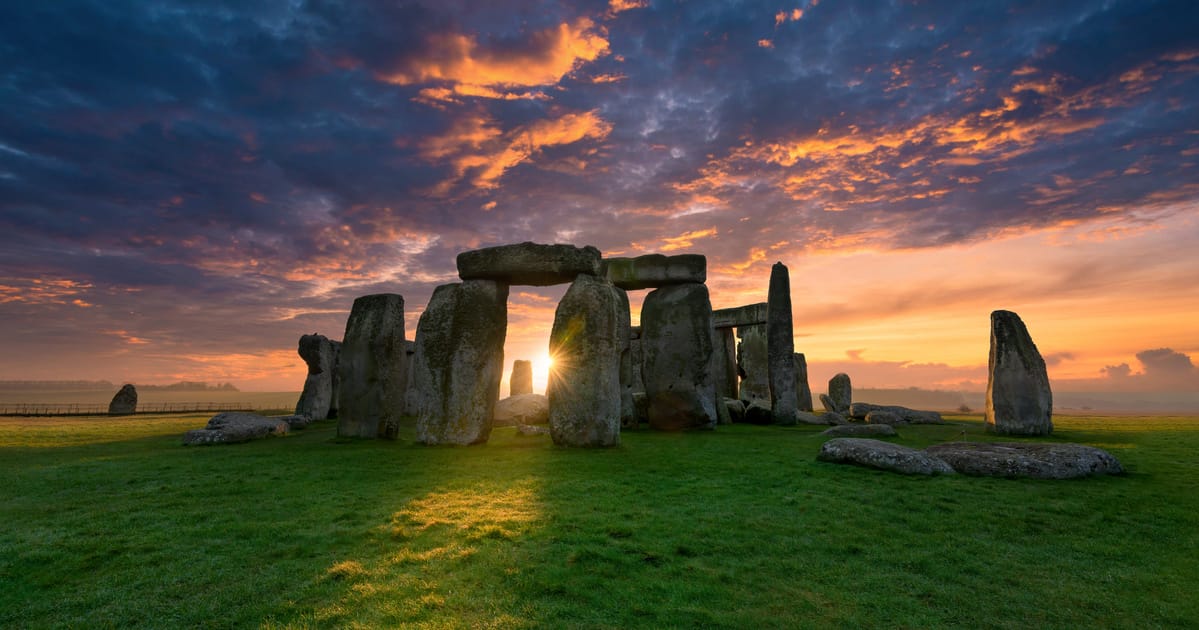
(655, 270)
(807, 417)
(522, 409)
(529, 263)
(297, 421)
(879, 416)
(861, 430)
(882, 456)
(860, 410)
(235, 426)
(1038, 460)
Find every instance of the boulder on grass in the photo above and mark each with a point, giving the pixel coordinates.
(522, 409)
(1034, 459)
(882, 455)
(861, 430)
(124, 402)
(236, 426)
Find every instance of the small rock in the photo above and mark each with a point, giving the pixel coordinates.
(881, 455)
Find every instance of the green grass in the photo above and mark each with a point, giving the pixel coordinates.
(110, 522)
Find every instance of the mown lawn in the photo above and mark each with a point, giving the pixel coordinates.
(110, 522)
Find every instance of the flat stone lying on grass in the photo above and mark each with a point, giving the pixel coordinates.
(881, 455)
(859, 430)
(522, 409)
(859, 410)
(807, 417)
(235, 426)
(880, 416)
(1017, 459)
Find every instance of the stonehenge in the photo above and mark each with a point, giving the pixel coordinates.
(371, 368)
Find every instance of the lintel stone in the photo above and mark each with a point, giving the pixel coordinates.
(748, 315)
(655, 270)
(529, 263)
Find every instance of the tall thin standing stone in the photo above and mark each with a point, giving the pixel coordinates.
(725, 356)
(371, 368)
(751, 365)
(1019, 401)
(780, 347)
(317, 397)
(521, 380)
(803, 391)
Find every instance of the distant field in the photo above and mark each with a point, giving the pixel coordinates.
(272, 400)
(109, 522)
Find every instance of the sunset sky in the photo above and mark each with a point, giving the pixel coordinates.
(187, 187)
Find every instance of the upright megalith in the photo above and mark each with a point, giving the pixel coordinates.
(1019, 401)
(677, 343)
(317, 396)
(590, 333)
(725, 356)
(459, 362)
(780, 347)
(754, 388)
(521, 379)
(840, 394)
(124, 402)
(408, 399)
(371, 368)
(529, 263)
(803, 392)
(655, 270)
(335, 379)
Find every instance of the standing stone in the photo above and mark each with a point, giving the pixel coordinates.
(591, 330)
(677, 346)
(124, 402)
(726, 363)
(631, 413)
(628, 410)
(371, 368)
(459, 362)
(1019, 401)
(751, 365)
(636, 359)
(317, 397)
(335, 379)
(409, 399)
(780, 346)
(803, 393)
(840, 394)
(521, 380)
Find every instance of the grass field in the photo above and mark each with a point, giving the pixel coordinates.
(110, 522)
(281, 400)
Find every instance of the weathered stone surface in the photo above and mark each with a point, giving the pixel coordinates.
(880, 416)
(780, 347)
(803, 393)
(124, 402)
(677, 343)
(529, 263)
(912, 416)
(738, 316)
(1019, 401)
(805, 417)
(459, 362)
(410, 402)
(827, 403)
(641, 408)
(371, 368)
(297, 421)
(840, 394)
(528, 431)
(521, 380)
(628, 411)
(881, 455)
(756, 412)
(1023, 459)
(725, 358)
(591, 330)
(832, 417)
(861, 430)
(234, 426)
(335, 380)
(655, 270)
(752, 365)
(736, 410)
(521, 409)
(317, 396)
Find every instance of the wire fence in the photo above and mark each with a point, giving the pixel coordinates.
(96, 409)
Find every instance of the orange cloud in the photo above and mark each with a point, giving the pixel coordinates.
(616, 6)
(40, 291)
(474, 145)
(473, 70)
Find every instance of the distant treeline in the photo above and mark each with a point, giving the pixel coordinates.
(181, 386)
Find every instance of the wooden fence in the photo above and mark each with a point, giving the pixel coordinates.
(86, 409)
